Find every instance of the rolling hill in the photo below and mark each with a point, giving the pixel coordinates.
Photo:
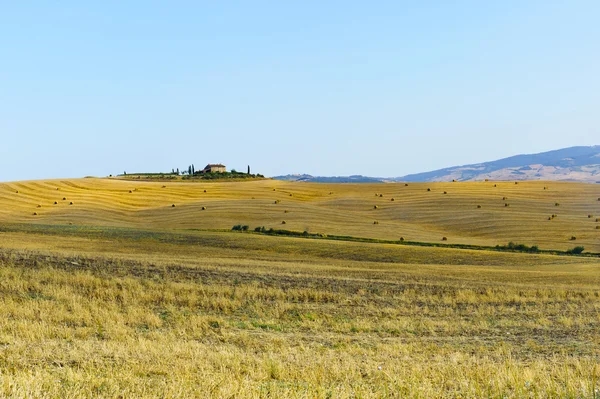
(480, 213)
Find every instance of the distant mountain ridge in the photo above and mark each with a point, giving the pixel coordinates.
(329, 179)
(576, 164)
(580, 164)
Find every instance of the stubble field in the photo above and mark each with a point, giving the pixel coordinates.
(123, 295)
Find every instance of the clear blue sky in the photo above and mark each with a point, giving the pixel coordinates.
(320, 87)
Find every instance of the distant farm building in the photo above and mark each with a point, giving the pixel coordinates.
(214, 168)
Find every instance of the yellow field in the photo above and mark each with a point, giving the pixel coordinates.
(121, 295)
(342, 209)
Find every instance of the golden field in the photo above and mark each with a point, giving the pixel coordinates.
(342, 209)
(122, 295)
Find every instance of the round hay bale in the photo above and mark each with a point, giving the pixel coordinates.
(55, 203)
(375, 207)
(405, 184)
(283, 222)
(39, 206)
(401, 238)
(34, 213)
(445, 192)
(203, 208)
(392, 200)
(71, 203)
(173, 206)
(478, 206)
(506, 205)
(428, 189)
(444, 238)
(64, 198)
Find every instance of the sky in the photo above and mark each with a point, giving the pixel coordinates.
(321, 87)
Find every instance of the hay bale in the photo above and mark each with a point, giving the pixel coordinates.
(556, 204)
(444, 238)
(39, 206)
(376, 222)
(406, 185)
(55, 203)
(478, 206)
(283, 222)
(401, 238)
(507, 205)
(392, 199)
(64, 198)
(428, 189)
(375, 207)
(573, 238)
(204, 190)
(34, 213)
(71, 203)
(590, 216)
(203, 208)
(445, 192)
(173, 206)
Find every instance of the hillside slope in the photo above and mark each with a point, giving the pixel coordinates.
(580, 164)
(508, 211)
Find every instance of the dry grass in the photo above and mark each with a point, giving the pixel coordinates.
(129, 302)
(414, 213)
(160, 316)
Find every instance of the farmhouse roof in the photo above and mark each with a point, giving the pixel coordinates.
(210, 165)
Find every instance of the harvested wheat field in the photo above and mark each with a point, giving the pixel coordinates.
(110, 291)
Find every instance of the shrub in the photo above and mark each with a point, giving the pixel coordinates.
(237, 227)
(576, 250)
(519, 247)
(259, 229)
(245, 227)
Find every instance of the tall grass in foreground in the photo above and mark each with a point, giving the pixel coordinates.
(104, 327)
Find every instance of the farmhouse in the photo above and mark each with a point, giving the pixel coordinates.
(214, 168)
